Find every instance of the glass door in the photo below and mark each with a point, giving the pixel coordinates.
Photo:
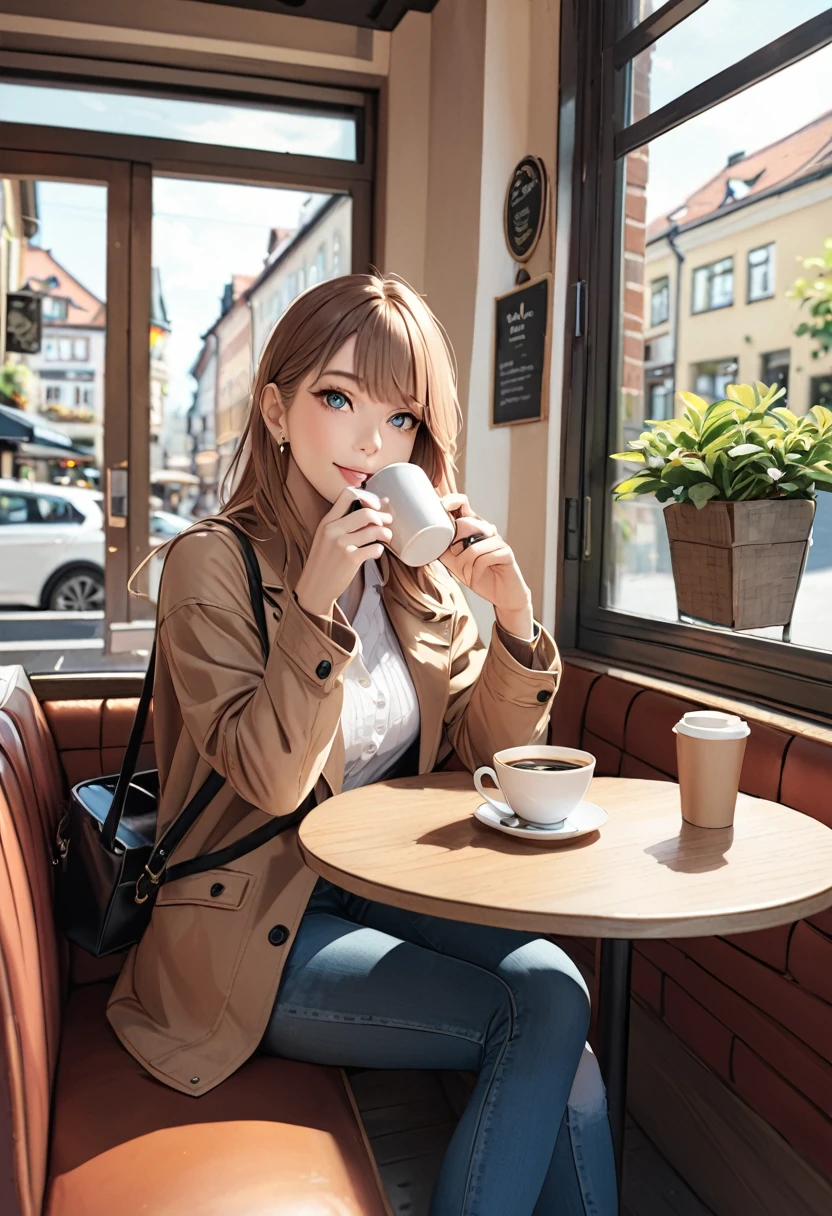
(64, 278)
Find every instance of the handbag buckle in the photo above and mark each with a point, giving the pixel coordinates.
(154, 878)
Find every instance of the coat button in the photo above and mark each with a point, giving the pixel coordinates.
(323, 669)
(278, 935)
(217, 889)
(194, 1080)
(543, 695)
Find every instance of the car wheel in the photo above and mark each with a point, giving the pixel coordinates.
(78, 590)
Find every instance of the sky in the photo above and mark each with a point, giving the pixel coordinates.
(712, 38)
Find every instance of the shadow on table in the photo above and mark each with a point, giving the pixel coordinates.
(694, 850)
(469, 834)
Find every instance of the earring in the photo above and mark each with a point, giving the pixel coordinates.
(282, 442)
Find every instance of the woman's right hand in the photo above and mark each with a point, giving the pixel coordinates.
(344, 540)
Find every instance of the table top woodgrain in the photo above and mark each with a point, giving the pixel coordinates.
(414, 843)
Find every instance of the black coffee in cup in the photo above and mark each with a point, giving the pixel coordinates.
(546, 766)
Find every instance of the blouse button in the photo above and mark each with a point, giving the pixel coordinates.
(364, 682)
(323, 669)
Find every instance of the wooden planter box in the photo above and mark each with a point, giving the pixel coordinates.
(739, 564)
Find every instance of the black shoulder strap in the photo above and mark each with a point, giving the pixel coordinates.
(109, 829)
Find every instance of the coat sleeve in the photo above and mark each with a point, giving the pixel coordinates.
(500, 695)
(267, 728)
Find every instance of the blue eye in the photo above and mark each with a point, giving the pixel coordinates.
(335, 400)
(403, 422)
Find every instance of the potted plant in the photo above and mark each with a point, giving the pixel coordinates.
(739, 477)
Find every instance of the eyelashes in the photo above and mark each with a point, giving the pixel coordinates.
(411, 421)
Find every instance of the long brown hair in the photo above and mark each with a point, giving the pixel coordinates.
(401, 352)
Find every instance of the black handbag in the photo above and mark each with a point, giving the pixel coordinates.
(109, 865)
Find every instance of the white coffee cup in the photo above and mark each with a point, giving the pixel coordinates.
(422, 528)
(537, 796)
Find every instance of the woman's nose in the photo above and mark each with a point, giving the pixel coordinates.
(369, 441)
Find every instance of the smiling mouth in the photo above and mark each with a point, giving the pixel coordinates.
(353, 477)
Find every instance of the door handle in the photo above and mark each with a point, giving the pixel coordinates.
(117, 485)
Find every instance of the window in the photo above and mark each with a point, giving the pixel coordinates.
(688, 176)
(266, 128)
(48, 510)
(712, 378)
(336, 255)
(761, 273)
(50, 349)
(320, 263)
(54, 393)
(774, 368)
(713, 286)
(659, 300)
(80, 349)
(820, 391)
(14, 509)
(54, 308)
(65, 349)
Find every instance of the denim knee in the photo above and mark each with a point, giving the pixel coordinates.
(547, 985)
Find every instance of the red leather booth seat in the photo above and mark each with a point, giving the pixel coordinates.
(84, 1131)
(756, 1007)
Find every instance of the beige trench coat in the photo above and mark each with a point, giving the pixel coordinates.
(194, 997)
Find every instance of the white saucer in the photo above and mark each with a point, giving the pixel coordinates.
(585, 818)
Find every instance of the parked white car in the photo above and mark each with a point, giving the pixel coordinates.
(52, 545)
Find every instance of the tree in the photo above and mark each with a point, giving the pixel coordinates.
(815, 294)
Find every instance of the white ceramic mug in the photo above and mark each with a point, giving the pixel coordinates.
(535, 795)
(422, 528)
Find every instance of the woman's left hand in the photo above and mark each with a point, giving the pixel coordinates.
(488, 567)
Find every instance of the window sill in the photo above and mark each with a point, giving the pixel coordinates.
(646, 677)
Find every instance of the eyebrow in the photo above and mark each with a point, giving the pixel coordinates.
(334, 371)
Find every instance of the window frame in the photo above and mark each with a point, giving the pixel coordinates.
(594, 140)
(770, 264)
(710, 269)
(664, 279)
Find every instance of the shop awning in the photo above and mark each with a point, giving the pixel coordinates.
(18, 427)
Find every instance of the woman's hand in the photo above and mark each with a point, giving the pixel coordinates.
(488, 566)
(344, 540)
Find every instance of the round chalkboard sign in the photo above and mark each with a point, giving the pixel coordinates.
(525, 211)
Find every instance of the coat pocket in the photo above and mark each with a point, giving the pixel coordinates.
(211, 889)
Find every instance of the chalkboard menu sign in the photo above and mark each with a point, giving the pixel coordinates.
(23, 324)
(521, 353)
(525, 209)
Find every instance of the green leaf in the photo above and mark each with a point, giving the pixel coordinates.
(743, 393)
(696, 403)
(824, 417)
(632, 457)
(744, 449)
(701, 493)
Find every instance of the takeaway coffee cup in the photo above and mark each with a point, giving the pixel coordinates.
(422, 528)
(540, 784)
(709, 750)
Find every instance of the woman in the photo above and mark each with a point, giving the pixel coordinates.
(374, 669)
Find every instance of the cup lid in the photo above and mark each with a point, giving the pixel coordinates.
(712, 724)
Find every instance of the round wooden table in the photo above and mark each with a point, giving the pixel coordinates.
(414, 843)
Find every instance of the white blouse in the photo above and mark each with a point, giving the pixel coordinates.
(380, 715)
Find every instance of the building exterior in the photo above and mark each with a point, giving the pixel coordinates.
(718, 269)
(162, 427)
(233, 333)
(202, 423)
(68, 389)
(320, 249)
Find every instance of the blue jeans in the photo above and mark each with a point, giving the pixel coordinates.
(371, 986)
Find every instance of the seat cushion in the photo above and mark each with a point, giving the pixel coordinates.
(277, 1137)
